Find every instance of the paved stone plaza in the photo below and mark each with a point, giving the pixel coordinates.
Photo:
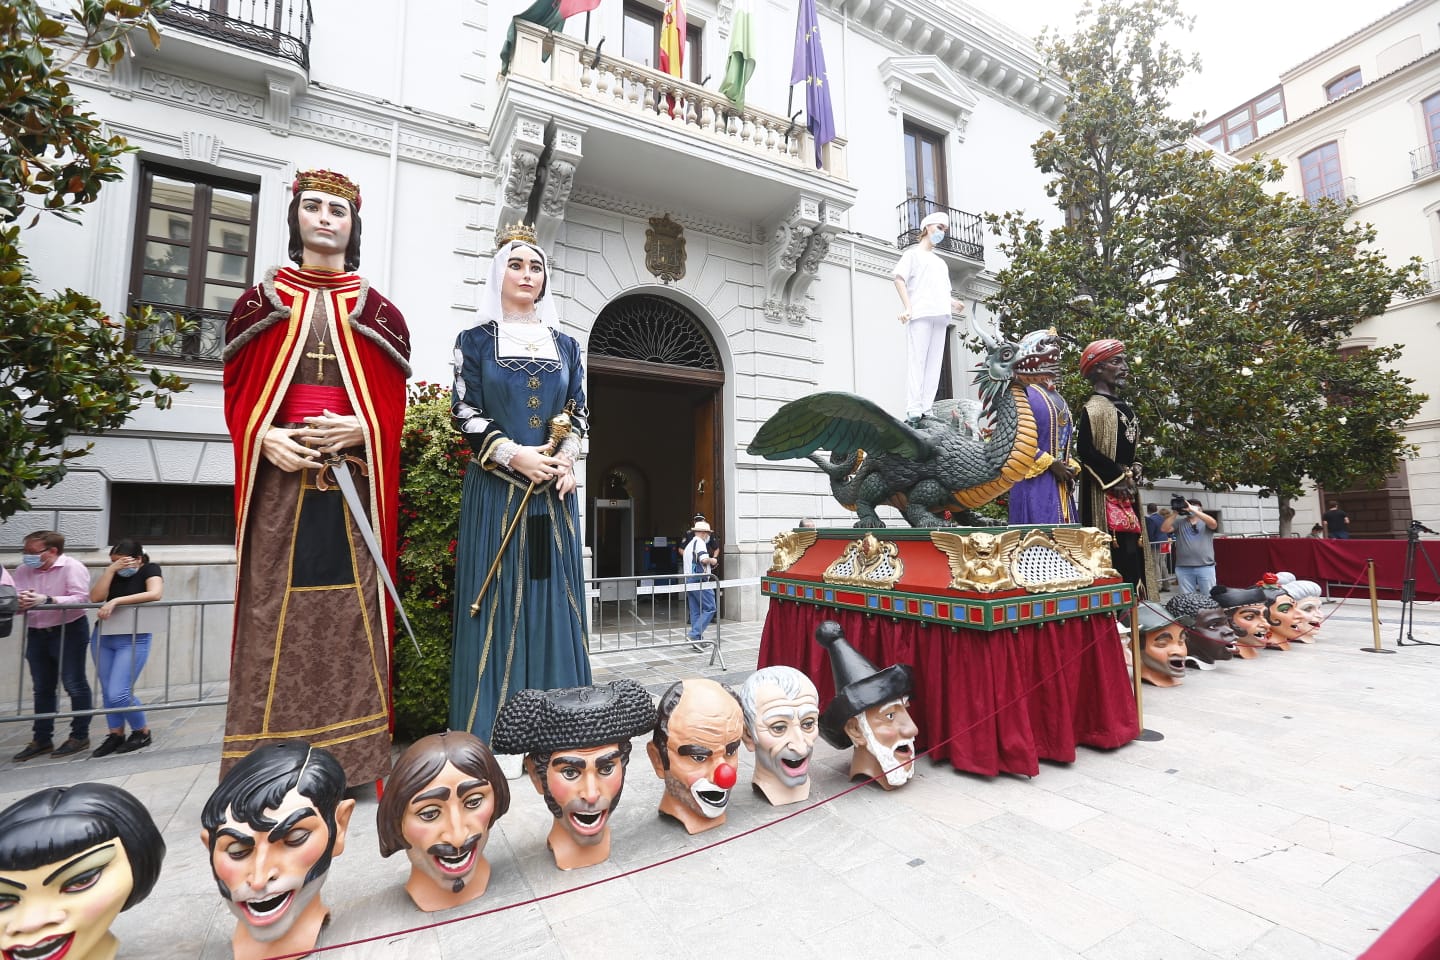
(1290, 812)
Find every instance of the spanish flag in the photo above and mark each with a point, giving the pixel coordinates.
(672, 39)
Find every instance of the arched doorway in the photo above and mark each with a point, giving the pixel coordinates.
(655, 386)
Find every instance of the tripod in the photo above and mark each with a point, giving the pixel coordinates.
(1407, 592)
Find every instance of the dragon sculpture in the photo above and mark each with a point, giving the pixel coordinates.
(945, 465)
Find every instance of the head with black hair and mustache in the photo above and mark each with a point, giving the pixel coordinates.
(272, 827)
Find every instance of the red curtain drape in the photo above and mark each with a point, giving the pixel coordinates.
(1241, 561)
(993, 702)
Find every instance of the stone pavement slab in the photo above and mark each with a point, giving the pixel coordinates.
(1290, 813)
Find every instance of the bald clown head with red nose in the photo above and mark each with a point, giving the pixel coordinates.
(696, 751)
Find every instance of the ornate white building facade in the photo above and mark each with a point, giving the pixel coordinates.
(1360, 120)
(710, 268)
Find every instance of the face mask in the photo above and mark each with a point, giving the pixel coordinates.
(32, 559)
(938, 236)
(127, 572)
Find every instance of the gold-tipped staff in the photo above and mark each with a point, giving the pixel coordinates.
(560, 426)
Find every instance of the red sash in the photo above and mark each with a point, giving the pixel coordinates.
(311, 400)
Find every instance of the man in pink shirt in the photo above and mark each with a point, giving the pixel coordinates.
(55, 640)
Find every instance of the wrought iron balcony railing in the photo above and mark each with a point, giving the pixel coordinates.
(277, 27)
(1431, 276)
(200, 345)
(965, 236)
(1424, 161)
(1340, 192)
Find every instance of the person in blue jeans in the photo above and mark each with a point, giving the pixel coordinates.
(54, 640)
(700, 594)
(130, 578)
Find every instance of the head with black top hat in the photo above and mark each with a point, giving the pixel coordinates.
(1208, 634)
(1162, 646)
(1245, 607)
(871, 712)
(439, 806)
(576, 743)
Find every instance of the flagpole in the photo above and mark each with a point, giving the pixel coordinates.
(587, 28)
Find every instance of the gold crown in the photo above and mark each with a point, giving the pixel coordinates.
(327, 181)
(511, 232)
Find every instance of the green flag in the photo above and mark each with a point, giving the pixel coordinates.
(544, 12)
(740, 64)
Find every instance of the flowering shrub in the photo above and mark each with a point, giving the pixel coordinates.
(432, 470)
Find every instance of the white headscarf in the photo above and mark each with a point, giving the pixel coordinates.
(490, 306)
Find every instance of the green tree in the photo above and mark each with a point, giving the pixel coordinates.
(433, 456)
(66, 367)
(1233, 299)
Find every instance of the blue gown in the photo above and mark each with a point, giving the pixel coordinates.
(531, 628)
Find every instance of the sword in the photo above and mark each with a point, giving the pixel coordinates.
(338, 467)
(559, 429)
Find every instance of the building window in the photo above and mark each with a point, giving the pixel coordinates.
(640, 40)
(194, 255)
(1248, 122)
(1320, 173)
(1342, 85)
(172, 513)
(1430, 162)
(925, 165)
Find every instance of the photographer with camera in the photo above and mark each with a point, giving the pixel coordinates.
(1194, 545)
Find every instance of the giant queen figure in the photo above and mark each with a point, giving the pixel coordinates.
(315, 370)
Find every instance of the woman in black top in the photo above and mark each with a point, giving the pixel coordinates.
(119, 657)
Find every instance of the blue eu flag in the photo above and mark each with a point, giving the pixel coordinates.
(810, 67)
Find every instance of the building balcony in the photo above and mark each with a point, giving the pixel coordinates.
(1430, 275)
(653, 139)
(1341, 191)
(200, 346)
(1424, 161)
(279, 28)
(965, 237)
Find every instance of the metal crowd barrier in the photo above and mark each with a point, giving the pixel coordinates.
(651, 612)
(172, 679)
(626, 614)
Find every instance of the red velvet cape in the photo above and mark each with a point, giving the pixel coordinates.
(372, 343)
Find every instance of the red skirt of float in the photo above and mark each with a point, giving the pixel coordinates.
(1032, 678)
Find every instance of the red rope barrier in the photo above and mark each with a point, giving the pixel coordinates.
(690, 853)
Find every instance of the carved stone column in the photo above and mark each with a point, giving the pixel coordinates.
(799, 243)
(519, 166)
(559, 180)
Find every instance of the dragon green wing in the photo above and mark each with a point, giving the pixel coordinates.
(838, 422)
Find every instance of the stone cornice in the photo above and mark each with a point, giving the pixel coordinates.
(1361, 100)
(982, 52)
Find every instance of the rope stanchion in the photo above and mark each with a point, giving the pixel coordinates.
(1374, 610)
(1025, 694)
(1145, 735)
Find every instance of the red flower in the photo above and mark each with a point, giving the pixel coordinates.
(1269, 580)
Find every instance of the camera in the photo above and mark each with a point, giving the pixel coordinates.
(1179, 504)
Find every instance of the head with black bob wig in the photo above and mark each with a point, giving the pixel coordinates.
(59, 822)
(260, 781)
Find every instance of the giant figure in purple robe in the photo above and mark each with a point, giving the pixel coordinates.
(1047, 494)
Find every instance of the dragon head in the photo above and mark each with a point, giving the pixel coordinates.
(1039, 356)
(998, 368)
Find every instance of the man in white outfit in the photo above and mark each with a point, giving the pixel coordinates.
(923, 282)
